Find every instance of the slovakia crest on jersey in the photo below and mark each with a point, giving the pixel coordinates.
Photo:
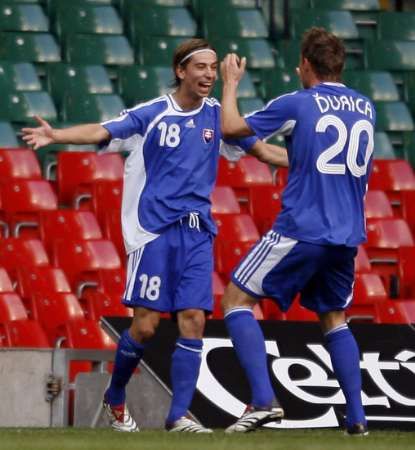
(207, 135)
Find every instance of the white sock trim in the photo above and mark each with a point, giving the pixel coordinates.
(189, 348)
(237, 309)
(343, 326)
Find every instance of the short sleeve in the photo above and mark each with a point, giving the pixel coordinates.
(125, 126)
(277, 116)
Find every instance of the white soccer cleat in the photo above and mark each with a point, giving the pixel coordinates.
(120, 418)
(253, 418)
(186, 425)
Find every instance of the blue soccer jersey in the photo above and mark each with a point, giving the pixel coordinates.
(329, 137)
(172, 167)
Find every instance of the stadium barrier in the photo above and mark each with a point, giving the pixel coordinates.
(301, 372)
(37, 391)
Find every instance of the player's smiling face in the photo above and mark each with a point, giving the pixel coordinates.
(199, 75)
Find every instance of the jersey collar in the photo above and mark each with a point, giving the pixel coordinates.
(333, 83)
(177, 108)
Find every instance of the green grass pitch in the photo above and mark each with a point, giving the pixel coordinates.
(103, 439)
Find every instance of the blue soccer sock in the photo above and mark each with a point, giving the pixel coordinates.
(129, 353)
(345, 359)
(249, 345)
(185, 368)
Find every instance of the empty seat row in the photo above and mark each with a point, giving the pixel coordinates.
(80, 333)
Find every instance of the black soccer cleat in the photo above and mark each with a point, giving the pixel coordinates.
(357, 429)
(253, 418)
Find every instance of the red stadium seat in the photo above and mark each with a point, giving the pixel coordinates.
(243, 173)
(111, 225)
(242, 176)
(237, 233)
(377, 205)
(218, 291)
(4, 227)
(11, 307)
(271, 310)
(368, 289)
(384, 238)
(299, 313)
(3, 338)
(106, 196)
(100, 304)
(112, 281)
(5, 281)
(67, 224)
(77, 171)
(407, 210)
(407, 272)
(264, 205)
(391, 175)
(81, 260)
(22, 201)
(368, 292)
(281, 177)
(54, 309)
(19, 252)
(86, 334)
(395, 177)
(108, 281)
(41, 280)
(19, 163)
(224, 201)
(388, 234)
(25, 333)
(366, 313)
(396, 311)
(362, 263)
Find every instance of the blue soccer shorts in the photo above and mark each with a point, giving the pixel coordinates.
(279, 267)
(173, 272)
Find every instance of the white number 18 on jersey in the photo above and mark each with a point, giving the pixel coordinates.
(169, 134)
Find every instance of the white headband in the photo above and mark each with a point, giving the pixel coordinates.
(194, 53)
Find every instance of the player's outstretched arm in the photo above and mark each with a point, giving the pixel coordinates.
(270, 153)
(233, 125)
(44, 134)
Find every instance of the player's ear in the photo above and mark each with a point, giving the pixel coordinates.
(306, 64)
(180, 72)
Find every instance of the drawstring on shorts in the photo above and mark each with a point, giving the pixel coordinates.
(194, 221)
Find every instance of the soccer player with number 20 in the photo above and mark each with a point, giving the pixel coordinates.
(312, 245)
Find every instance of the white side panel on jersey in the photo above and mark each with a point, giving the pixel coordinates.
(262, 259)
(135, 236)
(119, 145)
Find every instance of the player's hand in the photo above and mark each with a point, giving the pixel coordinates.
(39, 136)
(232, 68)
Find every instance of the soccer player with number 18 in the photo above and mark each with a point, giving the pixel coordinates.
(311, 248)
(174, 143)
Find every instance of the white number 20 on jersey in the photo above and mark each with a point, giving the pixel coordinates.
(169, 134)
(323, 162)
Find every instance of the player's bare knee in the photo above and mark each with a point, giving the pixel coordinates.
(144, 324)
(191, 323)
(235, 297)
(331, 320)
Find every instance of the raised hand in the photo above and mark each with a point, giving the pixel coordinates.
(232, 68)
(39, 136)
